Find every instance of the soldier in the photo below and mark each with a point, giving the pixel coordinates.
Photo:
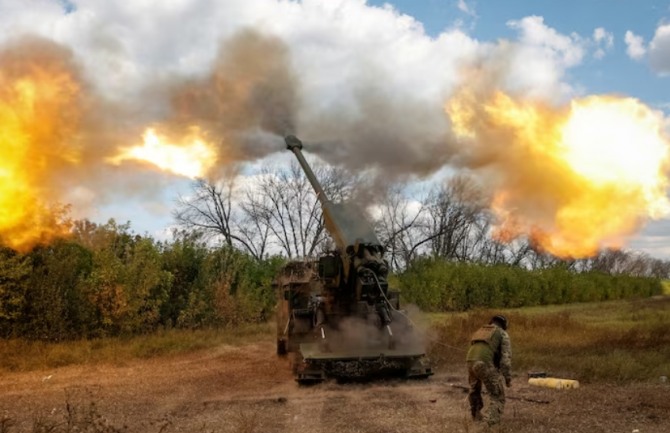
(489, 360)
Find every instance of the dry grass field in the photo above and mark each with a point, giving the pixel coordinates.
(240, 386)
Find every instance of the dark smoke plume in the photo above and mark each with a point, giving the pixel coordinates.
(249, 100)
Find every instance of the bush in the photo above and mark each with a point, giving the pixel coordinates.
(106, 281)
(439, 285)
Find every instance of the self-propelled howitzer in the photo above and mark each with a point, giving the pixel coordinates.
(364, 270)
(336, 315)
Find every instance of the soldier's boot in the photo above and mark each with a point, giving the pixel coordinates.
(494, 413)
(476, 406)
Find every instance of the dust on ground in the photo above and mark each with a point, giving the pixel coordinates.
(248, 389)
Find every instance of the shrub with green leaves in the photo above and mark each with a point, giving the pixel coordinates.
(439, 285)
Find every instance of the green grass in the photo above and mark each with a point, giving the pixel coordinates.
(617, 341)
(25, 355)
(666, 287)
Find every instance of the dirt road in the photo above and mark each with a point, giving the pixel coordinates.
(247, 389)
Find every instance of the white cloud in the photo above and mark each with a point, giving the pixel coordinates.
(653, 239)
(345, 54)
(466, 8)
(566, 50)
(635, 46)
(604, 41)
(542, 56)
(600, 35)
(659, 50)
(369, 77)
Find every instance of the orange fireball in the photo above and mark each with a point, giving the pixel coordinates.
(189, 156)
(573, 179)
(38, 118)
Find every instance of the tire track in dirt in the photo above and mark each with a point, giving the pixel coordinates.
(247, 389)
(392, 406)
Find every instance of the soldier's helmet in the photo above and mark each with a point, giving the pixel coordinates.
(500, 320)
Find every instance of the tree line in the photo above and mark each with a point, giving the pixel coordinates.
(438, 285)
(280, 214)
(218, 267)
(107, 281)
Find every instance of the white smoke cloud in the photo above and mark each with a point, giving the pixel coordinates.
(366, 74)
(371, 83)
(634, 46)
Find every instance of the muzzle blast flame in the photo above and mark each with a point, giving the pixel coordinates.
(574, 179)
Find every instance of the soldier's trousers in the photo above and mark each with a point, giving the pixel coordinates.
(479, 373)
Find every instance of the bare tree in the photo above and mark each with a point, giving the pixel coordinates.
(659, 268)
(457, 222)
(537, 259)
(210, 211)
(492, 251)
(398, 226)
(633, 263)
(610, 261)
(284, 204)
(451, 222)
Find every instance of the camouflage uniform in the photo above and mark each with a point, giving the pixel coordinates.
(489, 360)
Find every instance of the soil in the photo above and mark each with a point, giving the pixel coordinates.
(248, 389)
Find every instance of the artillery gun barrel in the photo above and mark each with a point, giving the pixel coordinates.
(295, 145)
(346, 224)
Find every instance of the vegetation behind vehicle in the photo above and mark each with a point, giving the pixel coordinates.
(107, 281)
(618, 341)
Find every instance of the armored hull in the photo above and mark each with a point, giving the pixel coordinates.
(348, 347)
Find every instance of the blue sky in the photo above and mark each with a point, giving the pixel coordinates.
(615, 73)
(408, 52)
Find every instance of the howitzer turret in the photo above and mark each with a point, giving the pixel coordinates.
(336, 315)
(359, 249)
